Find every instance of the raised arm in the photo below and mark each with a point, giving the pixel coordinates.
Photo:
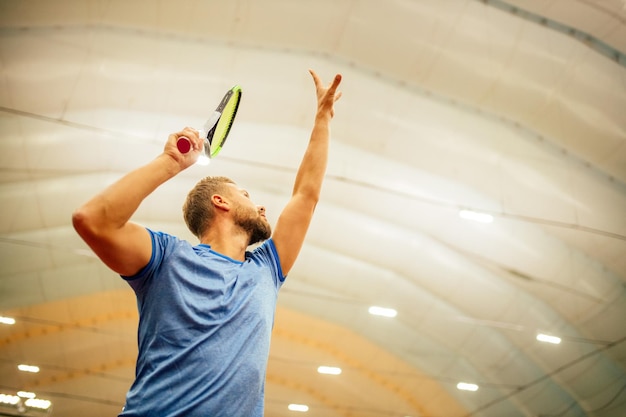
(104, 221)
(295, 218)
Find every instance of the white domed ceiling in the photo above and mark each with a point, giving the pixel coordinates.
(513, 110)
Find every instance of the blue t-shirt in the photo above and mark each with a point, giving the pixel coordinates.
(205, 322)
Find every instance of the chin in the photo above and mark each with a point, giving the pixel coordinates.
(260, 235)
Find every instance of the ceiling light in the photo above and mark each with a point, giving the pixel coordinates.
(476, 216)
(38, 403)
(548, 339)
(26, 394)
(382, 311)
(28, 368)
(329, 370)
(9, 399)
(464, 386)
(7, 320)
(298, 407)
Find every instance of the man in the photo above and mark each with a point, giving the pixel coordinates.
(206, 311)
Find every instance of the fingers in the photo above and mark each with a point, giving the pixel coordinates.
(318, 82)
(336, 82)
(316, 79)
(327, 96)
(184, 146)
(189, 131)
(331, 91)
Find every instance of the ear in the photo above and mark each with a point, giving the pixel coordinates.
(220, 202)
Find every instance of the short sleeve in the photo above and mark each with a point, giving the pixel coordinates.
(267, 251)
(160, 243)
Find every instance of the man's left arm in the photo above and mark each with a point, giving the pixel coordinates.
(295, 218)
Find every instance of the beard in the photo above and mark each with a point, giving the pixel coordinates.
(257, 227)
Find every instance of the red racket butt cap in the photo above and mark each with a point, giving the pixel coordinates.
(183, 144)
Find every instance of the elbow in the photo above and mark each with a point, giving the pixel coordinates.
(83, 223)
(310, 200)
(79, 220)
(313, 201)
(309, 193)
(309, 196)
(314, 197)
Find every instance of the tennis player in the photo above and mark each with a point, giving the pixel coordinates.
(206, 311)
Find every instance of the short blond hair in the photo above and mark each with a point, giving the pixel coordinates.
(198, 210)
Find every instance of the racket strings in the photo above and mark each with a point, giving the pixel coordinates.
(225, 122)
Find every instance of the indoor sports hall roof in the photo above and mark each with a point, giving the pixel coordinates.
(476, 188)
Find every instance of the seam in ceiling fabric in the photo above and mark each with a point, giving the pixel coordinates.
(589, 40)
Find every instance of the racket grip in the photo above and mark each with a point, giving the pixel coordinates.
(183, 144)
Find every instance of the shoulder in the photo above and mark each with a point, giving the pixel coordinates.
(163, 245)
(267, 249)
(163, 236)
(266, 253)
(164, 242)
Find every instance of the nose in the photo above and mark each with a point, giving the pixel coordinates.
(261, 209)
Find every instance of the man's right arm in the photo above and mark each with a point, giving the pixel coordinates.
(104, 221)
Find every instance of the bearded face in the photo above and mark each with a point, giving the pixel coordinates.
(252, 222)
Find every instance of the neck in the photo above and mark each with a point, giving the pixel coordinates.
(227, 240)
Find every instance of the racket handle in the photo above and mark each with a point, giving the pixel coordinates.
(183, 144)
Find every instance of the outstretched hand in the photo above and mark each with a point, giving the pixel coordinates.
(326, 96)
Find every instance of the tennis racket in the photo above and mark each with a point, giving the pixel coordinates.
(217, 127)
